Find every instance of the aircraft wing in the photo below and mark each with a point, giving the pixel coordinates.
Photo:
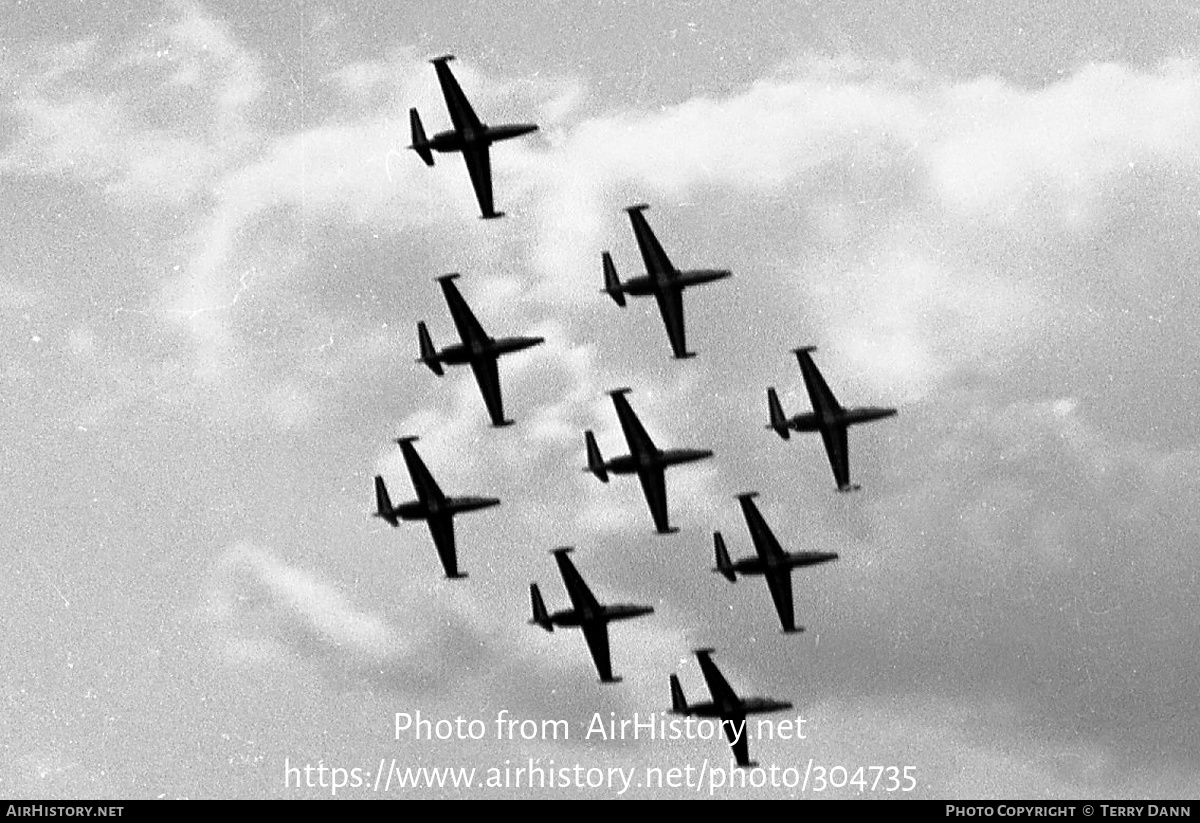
(670, 305)
(461, 114)
(487, 374)
(469, 328)
(596, 635)
(654, 486)
(635, 435)
(839, 454)
(442, 529)
(718, 686)
(653, 256)
(423, 483)
(479, 166)
(779, 581)
(740, 746)
(823, 401)
(764, 539)
(581, 596)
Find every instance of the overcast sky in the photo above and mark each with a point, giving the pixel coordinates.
(215, 252)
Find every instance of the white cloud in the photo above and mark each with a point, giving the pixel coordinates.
(262, 608)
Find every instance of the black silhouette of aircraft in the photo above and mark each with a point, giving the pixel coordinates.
(586, 612)
(726, 706)
(478, 350)
(771, 561)
(645, 460)
(431, 505)
(827, 417)
(661, 279)
(469, 136)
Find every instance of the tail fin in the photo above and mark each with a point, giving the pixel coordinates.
(778, 421)
(428, 353)
(612, 283)
(678, 701)
(419, 144)
(383, 503)
(540, 616)
(724, 565)
(595, 461)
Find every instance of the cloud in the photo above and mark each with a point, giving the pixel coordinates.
(273, 605)
(265, 615)
(1058, 149)
(934, 265)
(887, 164)
(154, 125)
(900, 180)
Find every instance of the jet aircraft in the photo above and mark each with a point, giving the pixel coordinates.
(469, 136)
(662, 280)
(725, 705)
(772, 561)
(478, 349)
(827, 417)
(431, 505)
(586, 612)
(645, 460)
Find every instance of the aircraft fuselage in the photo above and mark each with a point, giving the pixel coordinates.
(452, 140)
(648, 461)
(413, 510)
(866, 414)
(760, 705)
(656, 282)
(507, 345)
(641, 286)
(833, 418)
(673, 457)
(459, 354)
(570, 618)
(625, 611)
(757, 565)
(736, 712)
(425, 510)
(470, 504)
(708, 709)
(696, 277)
(633, 463)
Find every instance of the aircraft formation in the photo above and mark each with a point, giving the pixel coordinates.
(662, 280)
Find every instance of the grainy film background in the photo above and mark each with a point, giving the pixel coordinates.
(215, 251)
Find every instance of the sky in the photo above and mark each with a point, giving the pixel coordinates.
(216, 251)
